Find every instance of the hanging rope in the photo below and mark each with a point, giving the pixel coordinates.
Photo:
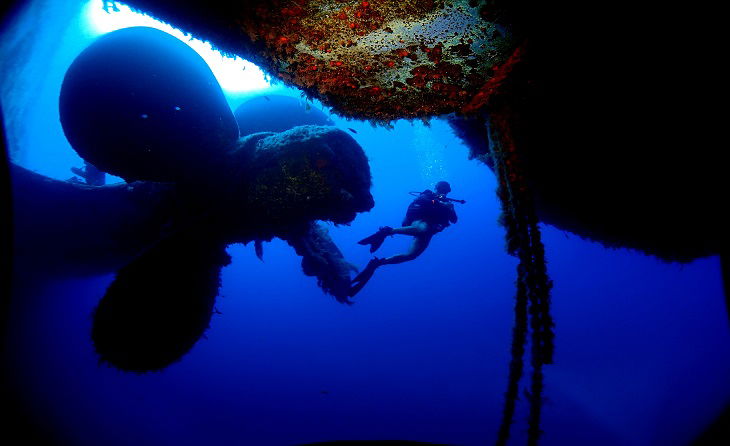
(519, 336)
(498, 98)
(533, 285)
(491, 139)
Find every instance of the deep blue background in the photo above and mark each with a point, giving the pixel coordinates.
(642, 347)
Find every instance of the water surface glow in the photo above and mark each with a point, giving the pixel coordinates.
(233, 73)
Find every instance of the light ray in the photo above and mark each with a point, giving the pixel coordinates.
(234, 75)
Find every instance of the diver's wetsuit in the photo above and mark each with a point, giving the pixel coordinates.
(427, 215)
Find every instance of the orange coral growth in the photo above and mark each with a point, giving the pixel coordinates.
(425, 57)
(492, 85)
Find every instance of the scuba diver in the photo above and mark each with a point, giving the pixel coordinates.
(430, 213)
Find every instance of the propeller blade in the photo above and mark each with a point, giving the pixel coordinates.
(160, 304)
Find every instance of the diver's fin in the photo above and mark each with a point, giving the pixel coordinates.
(258, 246)
(362, 279)
(376, 239)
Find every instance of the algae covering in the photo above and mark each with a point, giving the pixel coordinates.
(382, 60)
(376, 60)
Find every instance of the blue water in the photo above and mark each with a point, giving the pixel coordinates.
(642, 347)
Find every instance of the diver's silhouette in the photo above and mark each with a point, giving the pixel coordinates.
(431, 212)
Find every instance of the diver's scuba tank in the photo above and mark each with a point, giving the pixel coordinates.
(424, 206)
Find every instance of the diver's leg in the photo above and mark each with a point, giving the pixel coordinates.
(421, 239)
(361, 279)
(418, 227)
(407, 230)
(420, 243)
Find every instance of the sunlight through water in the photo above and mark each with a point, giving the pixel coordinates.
(234, 74)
